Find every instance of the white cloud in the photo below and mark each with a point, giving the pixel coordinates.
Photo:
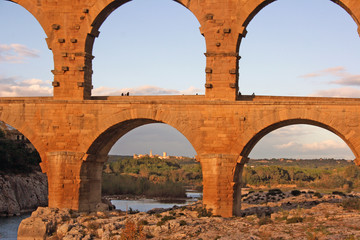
(351, 80)
(337, 71)
(291, 131)
(287, 145)
(334, 70)
(324, 145)
(338, 92)
(343, 77)
(144, 90)
(16, 53)
(11, 87)
(327, 145)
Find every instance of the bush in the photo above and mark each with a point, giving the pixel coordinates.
(182, 223)
(15, 157)
(143, 222)
(114, 184)
(273, 192)
(294, 220)
(132, 231)
(351, 204)
(167, 218)
(318, 195)
(295, 193)
(203, 212)
(264, 220)
(339, 193)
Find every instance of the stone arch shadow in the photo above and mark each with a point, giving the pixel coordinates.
(96, 156)
(244, 155)
(106, 8)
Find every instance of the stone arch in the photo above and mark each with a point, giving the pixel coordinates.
(100, 12)
(35, 10)
(102, 145)
(105, 8)
(258, 136)
(255, 7)
(263, 132)
(96, 155)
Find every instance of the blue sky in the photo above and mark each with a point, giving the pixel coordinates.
(293, 48)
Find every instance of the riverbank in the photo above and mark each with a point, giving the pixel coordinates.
(286, 216)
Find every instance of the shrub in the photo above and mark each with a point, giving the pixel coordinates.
(351, 204)
(113, 184)
(264, 220)
(182, 223)
(295, 192)
(294, 220)
(15, 157)
(160, 223)
(273, 192)
(203, 212)
(167, 218)
(339, 193)
(318, 195)
(149, 235)
(132, 231)
(143, 222)
(131, 211)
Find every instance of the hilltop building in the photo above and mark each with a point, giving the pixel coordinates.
(150, 155)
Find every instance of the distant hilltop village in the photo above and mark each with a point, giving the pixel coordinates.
(150, 155)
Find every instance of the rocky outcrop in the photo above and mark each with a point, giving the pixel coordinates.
(324, 220)
(21, 193)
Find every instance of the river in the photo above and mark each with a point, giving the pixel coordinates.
(9, 225)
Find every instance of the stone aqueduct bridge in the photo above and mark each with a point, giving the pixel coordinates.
(74, 131)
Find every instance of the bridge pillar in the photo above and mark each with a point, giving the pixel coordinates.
(238, 184)
(222, 75)
(74, 180)
(218, 185)
(63, 172)
(90, 186)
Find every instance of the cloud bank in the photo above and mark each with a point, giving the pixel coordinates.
(12, 87)
(144, 90)
(343, 78)
(16, 53)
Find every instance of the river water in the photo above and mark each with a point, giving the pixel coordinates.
(10, 225)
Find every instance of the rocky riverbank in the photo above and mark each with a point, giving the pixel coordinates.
(306, 215)
(20, 193)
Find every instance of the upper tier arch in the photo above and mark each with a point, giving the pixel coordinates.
(254, 7)
(102, 9)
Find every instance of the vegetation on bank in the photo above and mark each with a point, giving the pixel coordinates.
(167, 177)
(316, 174)
(151, 177)
(117, 184)
(15, 157)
